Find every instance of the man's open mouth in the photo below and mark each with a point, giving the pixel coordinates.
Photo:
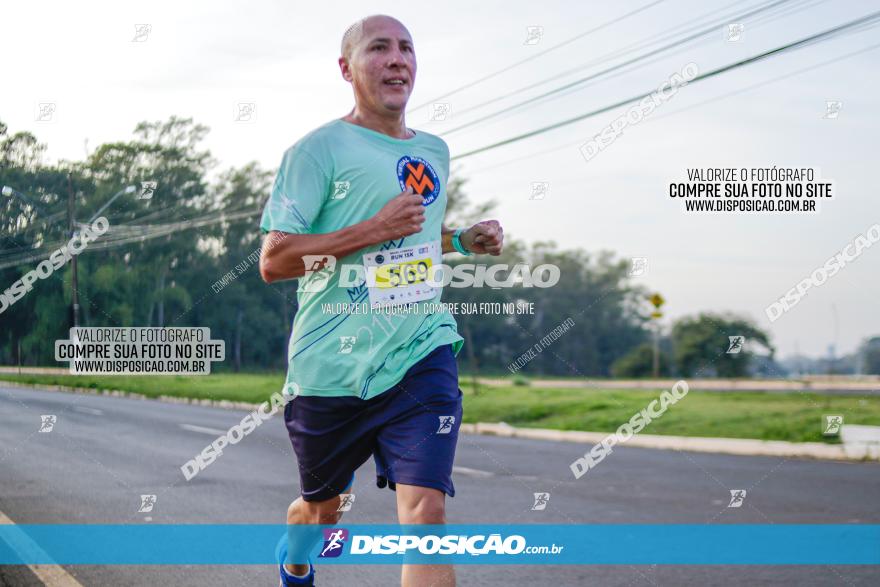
(395, 81)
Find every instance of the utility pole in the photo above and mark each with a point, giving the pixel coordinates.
(71, 223)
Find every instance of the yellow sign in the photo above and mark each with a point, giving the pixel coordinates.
(657, 300)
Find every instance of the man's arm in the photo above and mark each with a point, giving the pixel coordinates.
(282, 254)
(446, 239)
(486, 237)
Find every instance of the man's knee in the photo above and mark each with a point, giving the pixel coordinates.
(314, 512)
(427, 508)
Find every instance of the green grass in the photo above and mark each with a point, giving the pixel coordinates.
(794, 416)
(234, 387)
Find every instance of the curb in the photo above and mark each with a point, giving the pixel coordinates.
(732, 446)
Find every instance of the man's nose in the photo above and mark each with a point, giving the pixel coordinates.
(396, 58)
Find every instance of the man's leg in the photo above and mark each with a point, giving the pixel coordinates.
(311, 512)
(327, 459)
(415, 450)
(423, 505)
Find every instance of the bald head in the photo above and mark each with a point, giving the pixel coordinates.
(379, 61)
(356, 33)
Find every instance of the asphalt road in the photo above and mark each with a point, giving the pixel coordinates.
(104, 452)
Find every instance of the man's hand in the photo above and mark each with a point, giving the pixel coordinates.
(401, 216)
(484, 238)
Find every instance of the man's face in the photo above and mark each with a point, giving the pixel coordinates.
(382, 66)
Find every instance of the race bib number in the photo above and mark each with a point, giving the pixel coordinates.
(404, 275)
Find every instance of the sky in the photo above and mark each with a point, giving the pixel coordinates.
(201, 59)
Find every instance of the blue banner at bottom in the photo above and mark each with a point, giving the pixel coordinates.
(537, 544)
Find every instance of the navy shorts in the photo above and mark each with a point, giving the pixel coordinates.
(411, 430)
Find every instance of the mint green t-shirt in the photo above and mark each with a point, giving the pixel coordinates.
(339, 175)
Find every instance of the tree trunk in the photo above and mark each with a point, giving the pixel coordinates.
(161, 306)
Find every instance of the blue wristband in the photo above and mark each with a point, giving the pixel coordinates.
(456, 242)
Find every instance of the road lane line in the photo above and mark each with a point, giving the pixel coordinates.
(203, 430)
(85, 410)
(472, 472)
(49, 575)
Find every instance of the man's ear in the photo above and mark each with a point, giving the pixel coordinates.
(345, 69)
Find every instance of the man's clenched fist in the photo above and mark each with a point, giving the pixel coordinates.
(484, 238)
(403, 215)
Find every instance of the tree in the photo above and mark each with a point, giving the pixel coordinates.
(871, 356)
(702, 343)
(593, 293)
(157, 267)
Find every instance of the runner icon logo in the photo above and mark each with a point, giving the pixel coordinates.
(319, 268)
(334, 540)
(346, 344)
(737, 496)
(541, 500)
(832, 425)
(340, 189)
(346, 500)
(446, 423)
(47, 422)
(147, 503)
(147, 190)
(736, 344)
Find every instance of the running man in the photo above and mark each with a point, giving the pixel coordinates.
(367, 191)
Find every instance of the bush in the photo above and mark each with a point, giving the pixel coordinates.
(639, 362)
(521, 381)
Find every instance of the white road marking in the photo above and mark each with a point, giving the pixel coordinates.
(49, 575)
(85, 410)
(472, 472)
(480, 474)
(203, 430)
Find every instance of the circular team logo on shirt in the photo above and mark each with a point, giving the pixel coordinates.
(418, 174)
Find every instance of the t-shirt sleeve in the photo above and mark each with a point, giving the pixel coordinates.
(298, 194)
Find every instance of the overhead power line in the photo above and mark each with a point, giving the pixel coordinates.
(544, 52)
(870, 18)
(682, 28)
(713, 29)
(692, 106)
(142, 233)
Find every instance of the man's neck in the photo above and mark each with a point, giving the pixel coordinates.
(393, 127)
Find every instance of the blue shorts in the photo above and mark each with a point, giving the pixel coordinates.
(411, 430)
